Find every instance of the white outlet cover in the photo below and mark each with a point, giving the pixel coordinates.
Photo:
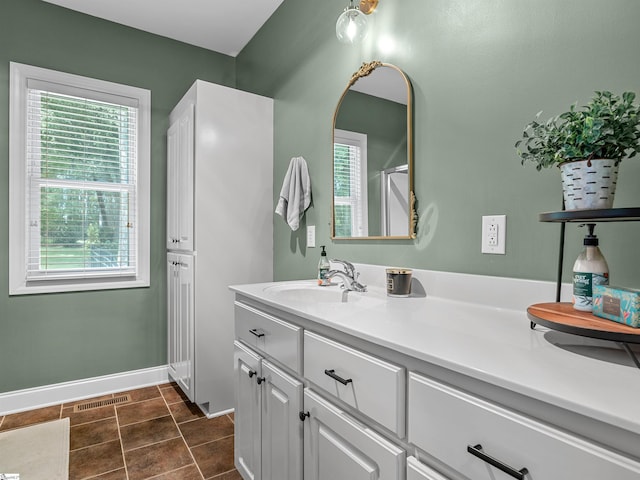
(311, 236)
(494, 242)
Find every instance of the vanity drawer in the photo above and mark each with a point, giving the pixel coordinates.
(419, 471)
(371, 385)
(458, 429)
(276, 338)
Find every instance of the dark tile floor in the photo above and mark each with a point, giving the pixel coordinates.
(159, 435)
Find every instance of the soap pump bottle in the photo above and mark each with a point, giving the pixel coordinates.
(590, 269)
(323, 268)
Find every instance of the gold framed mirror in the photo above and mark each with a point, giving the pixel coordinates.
(372, 169)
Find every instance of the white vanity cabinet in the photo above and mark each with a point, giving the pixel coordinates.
(485, 441)
(337, 446)
(398, 393)
(268, 429)
(271, 414)
(181, 321)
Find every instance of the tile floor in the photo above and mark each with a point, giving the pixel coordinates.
(158, 435)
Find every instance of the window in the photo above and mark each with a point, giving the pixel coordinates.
(79, 183)
(350, 184)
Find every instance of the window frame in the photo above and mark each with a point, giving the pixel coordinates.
(359, 203)
(20, 76)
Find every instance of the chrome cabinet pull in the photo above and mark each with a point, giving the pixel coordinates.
(255, 332)
(477, 451)
(332, 374)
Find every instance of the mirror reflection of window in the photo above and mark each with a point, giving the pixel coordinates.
(350, 184)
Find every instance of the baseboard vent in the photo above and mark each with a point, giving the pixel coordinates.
(83, 407)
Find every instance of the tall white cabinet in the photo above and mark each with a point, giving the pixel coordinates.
(219, 230)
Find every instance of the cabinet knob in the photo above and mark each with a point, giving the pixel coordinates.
(303, 415)
(260, 380)
(252, 373)
(477, 451)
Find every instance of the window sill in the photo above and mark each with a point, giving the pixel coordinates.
(60, 287)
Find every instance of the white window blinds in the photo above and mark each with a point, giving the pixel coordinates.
(84, 165)
(81, 156)
(350, 187)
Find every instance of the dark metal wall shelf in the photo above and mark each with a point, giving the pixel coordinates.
(592, 216)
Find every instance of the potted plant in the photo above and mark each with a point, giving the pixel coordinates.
(588, 145)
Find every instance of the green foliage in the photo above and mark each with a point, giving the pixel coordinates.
(81, 141)
(607, 127)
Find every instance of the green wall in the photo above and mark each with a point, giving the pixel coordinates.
(52, 338)
(480, 69)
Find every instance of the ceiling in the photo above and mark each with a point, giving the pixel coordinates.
(224, 26)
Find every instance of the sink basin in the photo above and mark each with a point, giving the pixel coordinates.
(310, 292)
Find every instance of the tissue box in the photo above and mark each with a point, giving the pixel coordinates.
(621, 305)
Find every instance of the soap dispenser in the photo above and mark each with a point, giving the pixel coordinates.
(590, 269)
(323, 268)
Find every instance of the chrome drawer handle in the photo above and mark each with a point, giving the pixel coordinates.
(255, 332)
(476, 451)
(332, 374)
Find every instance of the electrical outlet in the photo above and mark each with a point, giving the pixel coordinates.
(311, 236)
(494, 234)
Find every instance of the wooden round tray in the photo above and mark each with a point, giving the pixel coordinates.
(564, 318)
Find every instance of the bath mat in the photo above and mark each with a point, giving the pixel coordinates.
(37, 452)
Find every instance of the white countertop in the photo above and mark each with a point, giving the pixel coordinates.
(490, 343)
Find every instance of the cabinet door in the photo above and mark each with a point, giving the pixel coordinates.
(419, 471)
(181, 320)
(172, 187)
(337, 446)
(281, 426)
(172, 315)
(247, 439)
(180, 171)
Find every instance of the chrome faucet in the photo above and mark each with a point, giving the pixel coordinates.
(349, 276)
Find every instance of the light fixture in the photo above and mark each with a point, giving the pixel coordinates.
(351, 26)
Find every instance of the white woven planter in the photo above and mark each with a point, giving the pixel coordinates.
(589, 184)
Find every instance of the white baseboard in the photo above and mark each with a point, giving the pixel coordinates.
(38, 397)
(215, 414)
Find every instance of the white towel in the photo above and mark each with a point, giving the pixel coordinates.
(295, 196)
